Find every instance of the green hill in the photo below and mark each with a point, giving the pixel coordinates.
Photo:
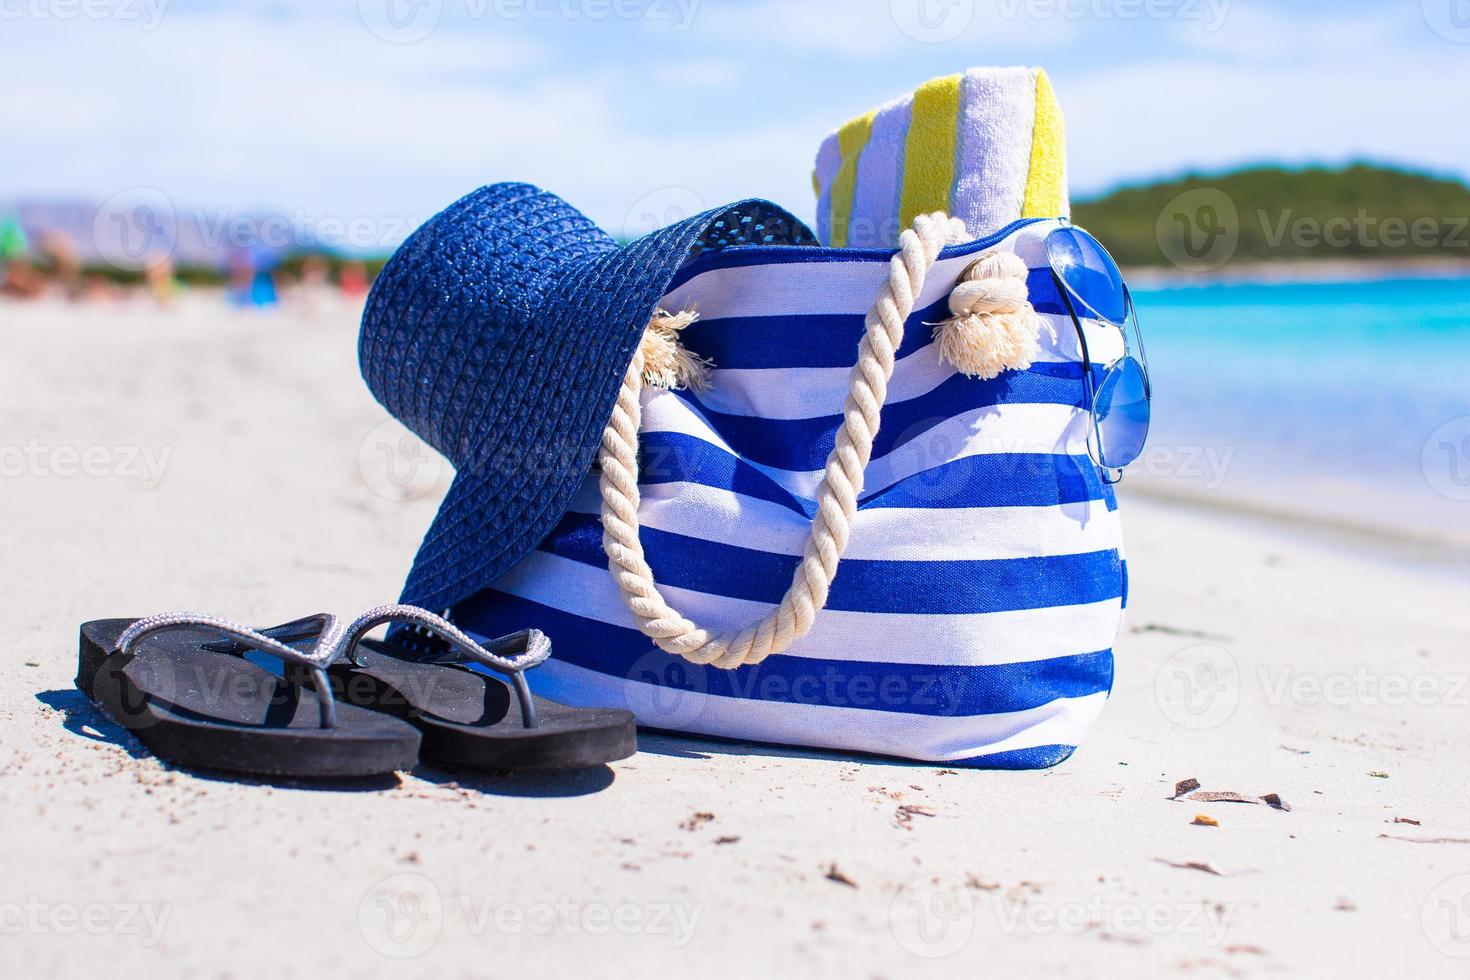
(1275, 213)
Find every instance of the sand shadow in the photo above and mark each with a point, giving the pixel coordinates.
(709, 747)
(84, 719)
(540, 784)
(316, 784)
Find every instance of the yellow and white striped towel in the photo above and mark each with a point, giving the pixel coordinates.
(986, 145)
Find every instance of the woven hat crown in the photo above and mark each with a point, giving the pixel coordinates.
(500, 333)
(448, 309)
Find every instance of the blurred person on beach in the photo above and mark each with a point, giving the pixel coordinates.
(158, 276)
(315, 274)
(352, 281)
(18, 277)
(240, 274)
(63, 261)
(313, 290)
(252, 281)
(264, 288)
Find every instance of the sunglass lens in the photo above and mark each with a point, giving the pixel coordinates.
(1121, 408)
(1089, 273)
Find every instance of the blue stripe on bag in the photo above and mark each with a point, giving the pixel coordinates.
(999, 480)
(911, 689)
(673, 457)
(986, 480)
(827, 340)
(803, 444)
(908, 587)
(1036, 757)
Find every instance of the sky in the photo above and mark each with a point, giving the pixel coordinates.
(381, 112)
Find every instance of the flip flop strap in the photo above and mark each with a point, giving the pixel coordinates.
(511, 655)
(329, 634)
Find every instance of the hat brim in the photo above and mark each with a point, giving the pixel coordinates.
(533, 421)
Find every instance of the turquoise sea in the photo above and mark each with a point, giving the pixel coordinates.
(1346, 401)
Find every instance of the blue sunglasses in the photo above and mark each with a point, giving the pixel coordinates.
(1093, 288)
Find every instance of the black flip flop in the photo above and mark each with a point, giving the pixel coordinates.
(202, 704)
(467, 717)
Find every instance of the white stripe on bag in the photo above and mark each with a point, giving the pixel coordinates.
(965, 640)
(880, 534)
(1023, 428)
(934, 738)
(806, 393)
(788, 288)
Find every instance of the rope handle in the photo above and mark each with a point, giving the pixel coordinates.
(993, 328)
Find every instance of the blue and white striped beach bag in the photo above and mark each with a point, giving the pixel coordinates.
(972, 617)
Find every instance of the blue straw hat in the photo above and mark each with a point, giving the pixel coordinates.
(500, 332)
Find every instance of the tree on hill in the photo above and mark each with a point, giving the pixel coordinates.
(1280, 214)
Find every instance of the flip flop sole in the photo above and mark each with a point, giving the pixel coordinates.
(208, 710)
(472, 719)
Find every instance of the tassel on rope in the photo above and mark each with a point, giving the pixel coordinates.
(666, 362)
(994, 327)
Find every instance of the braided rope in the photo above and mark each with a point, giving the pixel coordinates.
(842, 479)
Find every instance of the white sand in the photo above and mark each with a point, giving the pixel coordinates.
(263, 513)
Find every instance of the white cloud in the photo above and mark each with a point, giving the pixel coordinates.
(307, 109)
(1283, 35)
(704, 72)
(1157, 119)
(1250, 33)
(333, 120)
(960, 33)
